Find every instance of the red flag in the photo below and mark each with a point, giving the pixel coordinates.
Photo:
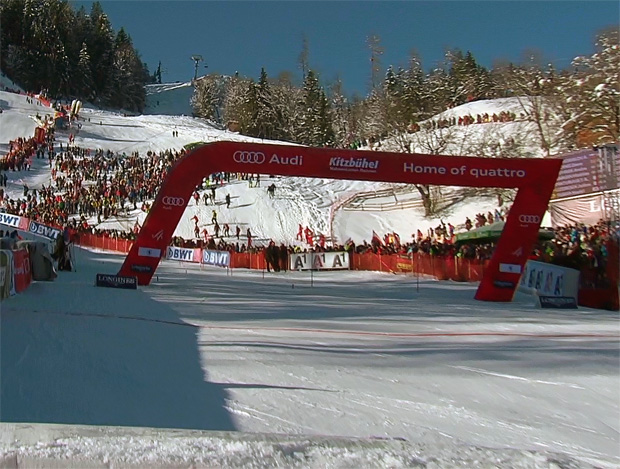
(396, 240)
(376, 238)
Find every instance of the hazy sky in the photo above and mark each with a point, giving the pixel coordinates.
(245, 36)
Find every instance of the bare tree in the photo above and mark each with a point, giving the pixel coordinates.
(376, 51)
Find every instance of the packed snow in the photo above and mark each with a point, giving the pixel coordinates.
(209, 367)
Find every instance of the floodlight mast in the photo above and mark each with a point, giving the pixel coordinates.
(197, 59)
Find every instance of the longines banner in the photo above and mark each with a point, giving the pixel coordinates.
(320, 261)
(534, 179)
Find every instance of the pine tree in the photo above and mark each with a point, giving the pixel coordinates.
(287, 100)
(127, 83)
(316, 123)
(341, 117)
(83, 76)
(265, 117)
(414, 100)
(101, 48)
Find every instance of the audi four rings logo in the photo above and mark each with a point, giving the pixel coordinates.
(250, 157)
(529, 218)
(173, 201)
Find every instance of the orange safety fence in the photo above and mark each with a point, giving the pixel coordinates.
(442, 268)
(105, 243)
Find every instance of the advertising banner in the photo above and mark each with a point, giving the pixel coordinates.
(542, 279)
(558, 302)
(21, 270)
(116, 281)
(534, 179)
(320, 261)
(183, 254)
(44, 230)
(13, 221)
(587, 209)
(218, 258)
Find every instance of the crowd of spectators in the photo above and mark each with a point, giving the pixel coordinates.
(84, 185)
(468, 119)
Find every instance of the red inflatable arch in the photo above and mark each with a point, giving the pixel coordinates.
(534, 179)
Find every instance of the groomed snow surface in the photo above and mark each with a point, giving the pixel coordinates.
(417, 369)
(339, 370)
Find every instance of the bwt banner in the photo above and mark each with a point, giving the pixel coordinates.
(549, 280)
(219, 258)
(44, 230)
(183, 254)
(319, 261)
(13, 221)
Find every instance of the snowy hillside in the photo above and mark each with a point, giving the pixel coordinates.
(209, 367)
(305, 201)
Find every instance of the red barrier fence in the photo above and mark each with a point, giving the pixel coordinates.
(102, 242)
(441, 268)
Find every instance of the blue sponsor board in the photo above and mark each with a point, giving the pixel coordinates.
(219, 258)
(180, 254)
(117, 281)
(10, 220)
(43, 230)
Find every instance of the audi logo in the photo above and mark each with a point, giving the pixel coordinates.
(173, 201)
(250, 157)
(529, 218)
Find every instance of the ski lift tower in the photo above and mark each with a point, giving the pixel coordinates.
(197, 59)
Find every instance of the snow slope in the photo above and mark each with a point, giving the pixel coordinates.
(316, 363)
(298, 200)
(295, 369)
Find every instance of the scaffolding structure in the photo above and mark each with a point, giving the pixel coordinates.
(608, 178)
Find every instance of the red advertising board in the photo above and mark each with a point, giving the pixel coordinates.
(21, 270)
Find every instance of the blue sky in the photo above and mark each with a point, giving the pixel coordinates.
(244, 36)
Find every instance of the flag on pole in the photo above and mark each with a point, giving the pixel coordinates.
(396, 240)
(376, 239)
